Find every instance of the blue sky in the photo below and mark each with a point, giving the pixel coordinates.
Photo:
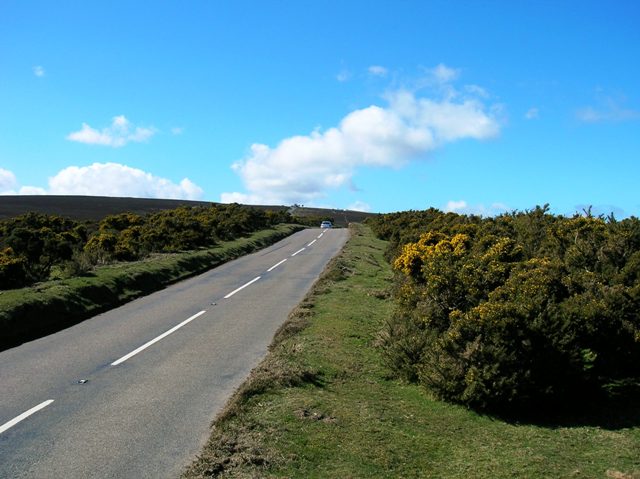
(469, 106)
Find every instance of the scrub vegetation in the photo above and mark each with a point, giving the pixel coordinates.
(37, 247)
(325, 403)
(523, 312)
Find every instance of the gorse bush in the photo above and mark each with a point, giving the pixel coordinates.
(12, 269)
(32, 244)
(525, 308)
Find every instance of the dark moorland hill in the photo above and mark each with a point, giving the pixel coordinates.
(97, 207)
(86, 207)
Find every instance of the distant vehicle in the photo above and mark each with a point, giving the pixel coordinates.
(326, 224)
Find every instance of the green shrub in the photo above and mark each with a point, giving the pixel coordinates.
(41, 242)
(526, 308)
(12, 273)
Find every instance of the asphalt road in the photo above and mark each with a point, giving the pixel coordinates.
(93, 401)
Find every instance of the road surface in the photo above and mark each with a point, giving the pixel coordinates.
(132, 392)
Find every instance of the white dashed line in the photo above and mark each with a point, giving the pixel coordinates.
(241, 287)
(155, 340)
(44, 404)
(175, 328)
(24, 415)
(276, 265)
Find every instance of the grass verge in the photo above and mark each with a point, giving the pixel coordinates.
(321, 404)
(30, 313)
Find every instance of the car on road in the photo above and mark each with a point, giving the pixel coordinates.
(326, 224)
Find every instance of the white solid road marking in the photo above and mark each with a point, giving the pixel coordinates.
(320, 235)
(312, 242)
(241, 287)
(276, 265)
(24, 415)
(299, 251)
(155, 340)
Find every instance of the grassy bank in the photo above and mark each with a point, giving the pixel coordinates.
(323, 405)
(33, 312)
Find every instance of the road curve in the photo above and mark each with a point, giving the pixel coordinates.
(132, 392)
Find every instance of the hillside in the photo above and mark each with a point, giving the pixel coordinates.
(97, 207)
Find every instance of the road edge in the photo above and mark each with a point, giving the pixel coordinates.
(271, 373)
(53, 306)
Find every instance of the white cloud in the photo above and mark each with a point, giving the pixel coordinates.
(359, 206)
(462, 207)
(378, 70)
(532, 113)
(9, 183)
(440, 79)
(609, 109)
(302, 169)
(177, 130)
(444, 74)
(104, 179)
(32, 190)
(119, 133)
(476, 90)
(454, 206)
(243, 198)
(38, 71)
(113, 179)
(343, 76)
(7, 180)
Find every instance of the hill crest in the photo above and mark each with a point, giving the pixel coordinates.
(97, 207)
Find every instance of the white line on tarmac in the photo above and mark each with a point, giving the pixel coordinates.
(320, 235)
(155, 340)
(241, 287)
(312, 242)
(299, 251)
(276, 265)
(24, 415)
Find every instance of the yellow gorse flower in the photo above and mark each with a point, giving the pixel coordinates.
(429, 246)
